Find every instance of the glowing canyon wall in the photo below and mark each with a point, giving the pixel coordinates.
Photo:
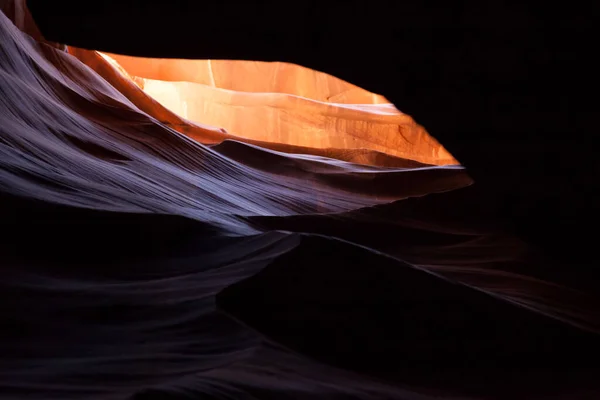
(250, 76)
(280, 106)
(285, 105)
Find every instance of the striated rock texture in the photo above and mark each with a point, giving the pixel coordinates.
(148, 256)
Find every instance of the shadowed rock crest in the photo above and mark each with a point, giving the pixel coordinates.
(173, 258)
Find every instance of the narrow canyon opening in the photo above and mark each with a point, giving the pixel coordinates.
(284, 107)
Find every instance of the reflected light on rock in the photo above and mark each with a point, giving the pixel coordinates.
(285, 105)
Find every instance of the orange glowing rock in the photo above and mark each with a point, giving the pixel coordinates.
(275, 105)
(283, 104)
(250, 76)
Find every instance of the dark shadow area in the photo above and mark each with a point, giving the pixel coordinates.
(351, 308)
(61, 233)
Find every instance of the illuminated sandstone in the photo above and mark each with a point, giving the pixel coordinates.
(284, 104)
(280, 106)
(250, 76)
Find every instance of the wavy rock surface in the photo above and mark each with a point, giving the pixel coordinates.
(284, 104)
(150, 256)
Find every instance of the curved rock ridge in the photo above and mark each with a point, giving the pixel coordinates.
(282, 104)
(151, 255)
